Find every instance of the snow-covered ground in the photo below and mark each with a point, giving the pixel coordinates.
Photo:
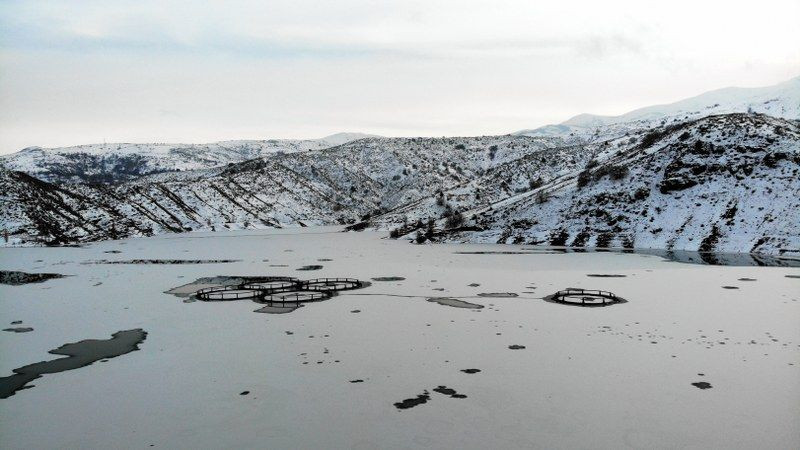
(613, 377)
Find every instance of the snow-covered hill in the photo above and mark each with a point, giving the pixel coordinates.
(671, 177)
(338, 185)
(781, 100)
(112, 163)
(721, 183)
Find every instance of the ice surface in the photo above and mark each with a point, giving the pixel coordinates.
(617, 377)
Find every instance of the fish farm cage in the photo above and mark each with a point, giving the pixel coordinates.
(586, 297)
(279, 290)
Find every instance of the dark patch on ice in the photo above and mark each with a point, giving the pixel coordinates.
(164, 261)
(324, 259)
(79, 354)
(730, 287)
(311, 267)
(113, 251)
(474, 284)
(498, 294)
(277, 309)
(16, 278)
(470, 371)
(357, 381)
(388, 278)
(19, 329)
(792, 276)
(279, 265)
(747, 279)
(355, 311)
(454, 302)
(516, 347)
(702, 385)
(606, 275)
(16, 322)
(447, 391)
(412, 402)
(244, 392)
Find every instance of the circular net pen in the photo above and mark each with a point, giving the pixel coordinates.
(227, 293)
(585, 297)
(294, 298)
(279, 291)
(272, 286)
(331, 284)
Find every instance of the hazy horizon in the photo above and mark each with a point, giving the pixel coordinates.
(91, 72)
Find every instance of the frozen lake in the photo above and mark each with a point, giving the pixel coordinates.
(216, 374)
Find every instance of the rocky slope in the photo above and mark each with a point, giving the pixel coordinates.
(725, 183)
(332, 186)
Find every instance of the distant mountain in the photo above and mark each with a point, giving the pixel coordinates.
(113, 163)
(781, 100)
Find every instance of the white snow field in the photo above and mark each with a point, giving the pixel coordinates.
(609, 377)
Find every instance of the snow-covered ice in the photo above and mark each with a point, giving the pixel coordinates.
(622, 376)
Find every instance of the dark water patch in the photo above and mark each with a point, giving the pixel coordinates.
(702, 385)
(606, 275)
(18, 329)
(16, 278)
(498, 294)
(471, 371)
(730, 287)
(113, 251)
(792, 276)
(747, 279)
(516, 347)
(79, 354)
(279, 265)
(324, 259)
(355, 311)
(454, 302)
(412, 402)
(311, 267)
(474, 284)
(444, 390)
(357, 381)
(277, 309)
(244, 392)
(164, 261)
(16, 322)
(388, 278)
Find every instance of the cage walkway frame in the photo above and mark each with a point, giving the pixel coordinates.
(586, 297)
(279, 290)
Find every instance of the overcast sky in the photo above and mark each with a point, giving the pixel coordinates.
(74, 72)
